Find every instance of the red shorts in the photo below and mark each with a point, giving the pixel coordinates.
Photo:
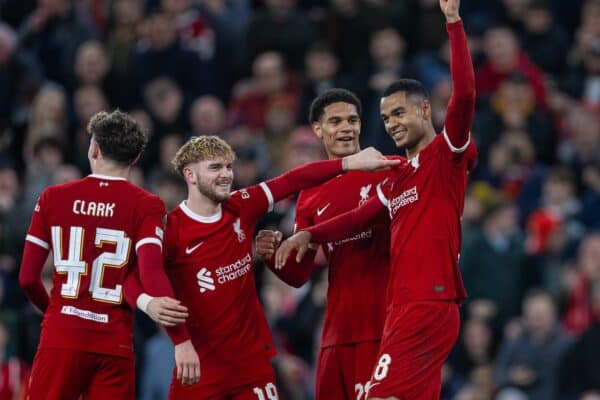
(230, 388)
(65, 374)
(344, 370)
(417, 339)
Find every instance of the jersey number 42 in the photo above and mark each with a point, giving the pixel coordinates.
(74, 266)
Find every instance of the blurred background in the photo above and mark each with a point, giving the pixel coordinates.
(246, 70)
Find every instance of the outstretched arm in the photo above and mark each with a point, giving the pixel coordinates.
(315, 173)
(461, 106)
(332, 230)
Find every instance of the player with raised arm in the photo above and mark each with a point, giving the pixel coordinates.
(424, 203)
(209, 262)
(358, 263)
(97, 228)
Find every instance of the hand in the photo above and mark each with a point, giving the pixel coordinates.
(187, 363)
(450, 10)
(300, 242)
(368, 160)
(267, 242)
(167, 311)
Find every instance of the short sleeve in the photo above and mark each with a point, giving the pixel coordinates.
(38, 232)
(150, 228)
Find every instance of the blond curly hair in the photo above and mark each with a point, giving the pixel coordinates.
(200, 148)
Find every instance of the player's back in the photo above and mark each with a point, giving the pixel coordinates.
(93, 227)
(358, 265)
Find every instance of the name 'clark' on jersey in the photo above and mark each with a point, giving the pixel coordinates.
(210, 263)
(93, 228)
(425, 204)
(358, 264)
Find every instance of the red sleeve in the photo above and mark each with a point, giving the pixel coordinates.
(152, 272)
(132, 288)
(34, 257)
(37, 247)
(293, 273)
(351, 222)
(303, 177)
(461, 106)
(149, 223)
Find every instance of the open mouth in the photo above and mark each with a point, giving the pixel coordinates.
(399, 134)
(345, 139)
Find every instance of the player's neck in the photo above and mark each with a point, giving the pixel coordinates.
(111, 170)
(202, 205)
(423, 143)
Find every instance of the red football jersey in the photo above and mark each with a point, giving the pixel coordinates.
(358, 264)
(425, 204)
(93, 227)
(210, 263)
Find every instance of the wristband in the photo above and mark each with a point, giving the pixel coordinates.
(142, 302)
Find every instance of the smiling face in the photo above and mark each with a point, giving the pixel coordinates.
(212, 178)
(339, 128)
(405, 119)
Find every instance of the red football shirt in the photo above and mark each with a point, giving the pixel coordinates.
(358, 264)
(425, 201)
(93, 227)
(425, 204)
(210, 263)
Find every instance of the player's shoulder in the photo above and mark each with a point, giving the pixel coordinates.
(64, 188)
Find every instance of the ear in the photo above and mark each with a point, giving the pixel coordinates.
(316, 127)
(94, 152)
(189, 175)
(426, 110)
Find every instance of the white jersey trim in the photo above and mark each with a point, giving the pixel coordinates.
(37, 241)
(107, 177)
(148, 240)
(269, 195)
(381, 196)
(452, 147)
(197, 217)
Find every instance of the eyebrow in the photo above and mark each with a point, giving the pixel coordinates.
(337, 117)
(400, 109)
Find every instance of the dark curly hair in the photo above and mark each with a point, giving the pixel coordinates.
(119, 137)
(336, 95)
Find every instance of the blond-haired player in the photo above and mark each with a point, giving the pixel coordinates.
(209, 261)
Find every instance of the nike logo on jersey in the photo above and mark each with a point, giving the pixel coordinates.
(320, 211)
(205, 281)
(190, 250)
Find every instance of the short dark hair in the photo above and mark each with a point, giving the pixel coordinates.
(119, 137)
(411, 87)
(336, 95)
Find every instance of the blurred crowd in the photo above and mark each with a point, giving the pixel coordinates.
(247, 70)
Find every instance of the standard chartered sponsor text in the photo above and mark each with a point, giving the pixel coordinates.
(234, 270)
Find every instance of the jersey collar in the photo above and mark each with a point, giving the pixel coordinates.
(196, 217)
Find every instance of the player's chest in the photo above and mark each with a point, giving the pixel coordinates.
(420, 180)
(342, 196)
(212, 260)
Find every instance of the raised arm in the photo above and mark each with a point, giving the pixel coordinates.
(332, 230)
(461, 106)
